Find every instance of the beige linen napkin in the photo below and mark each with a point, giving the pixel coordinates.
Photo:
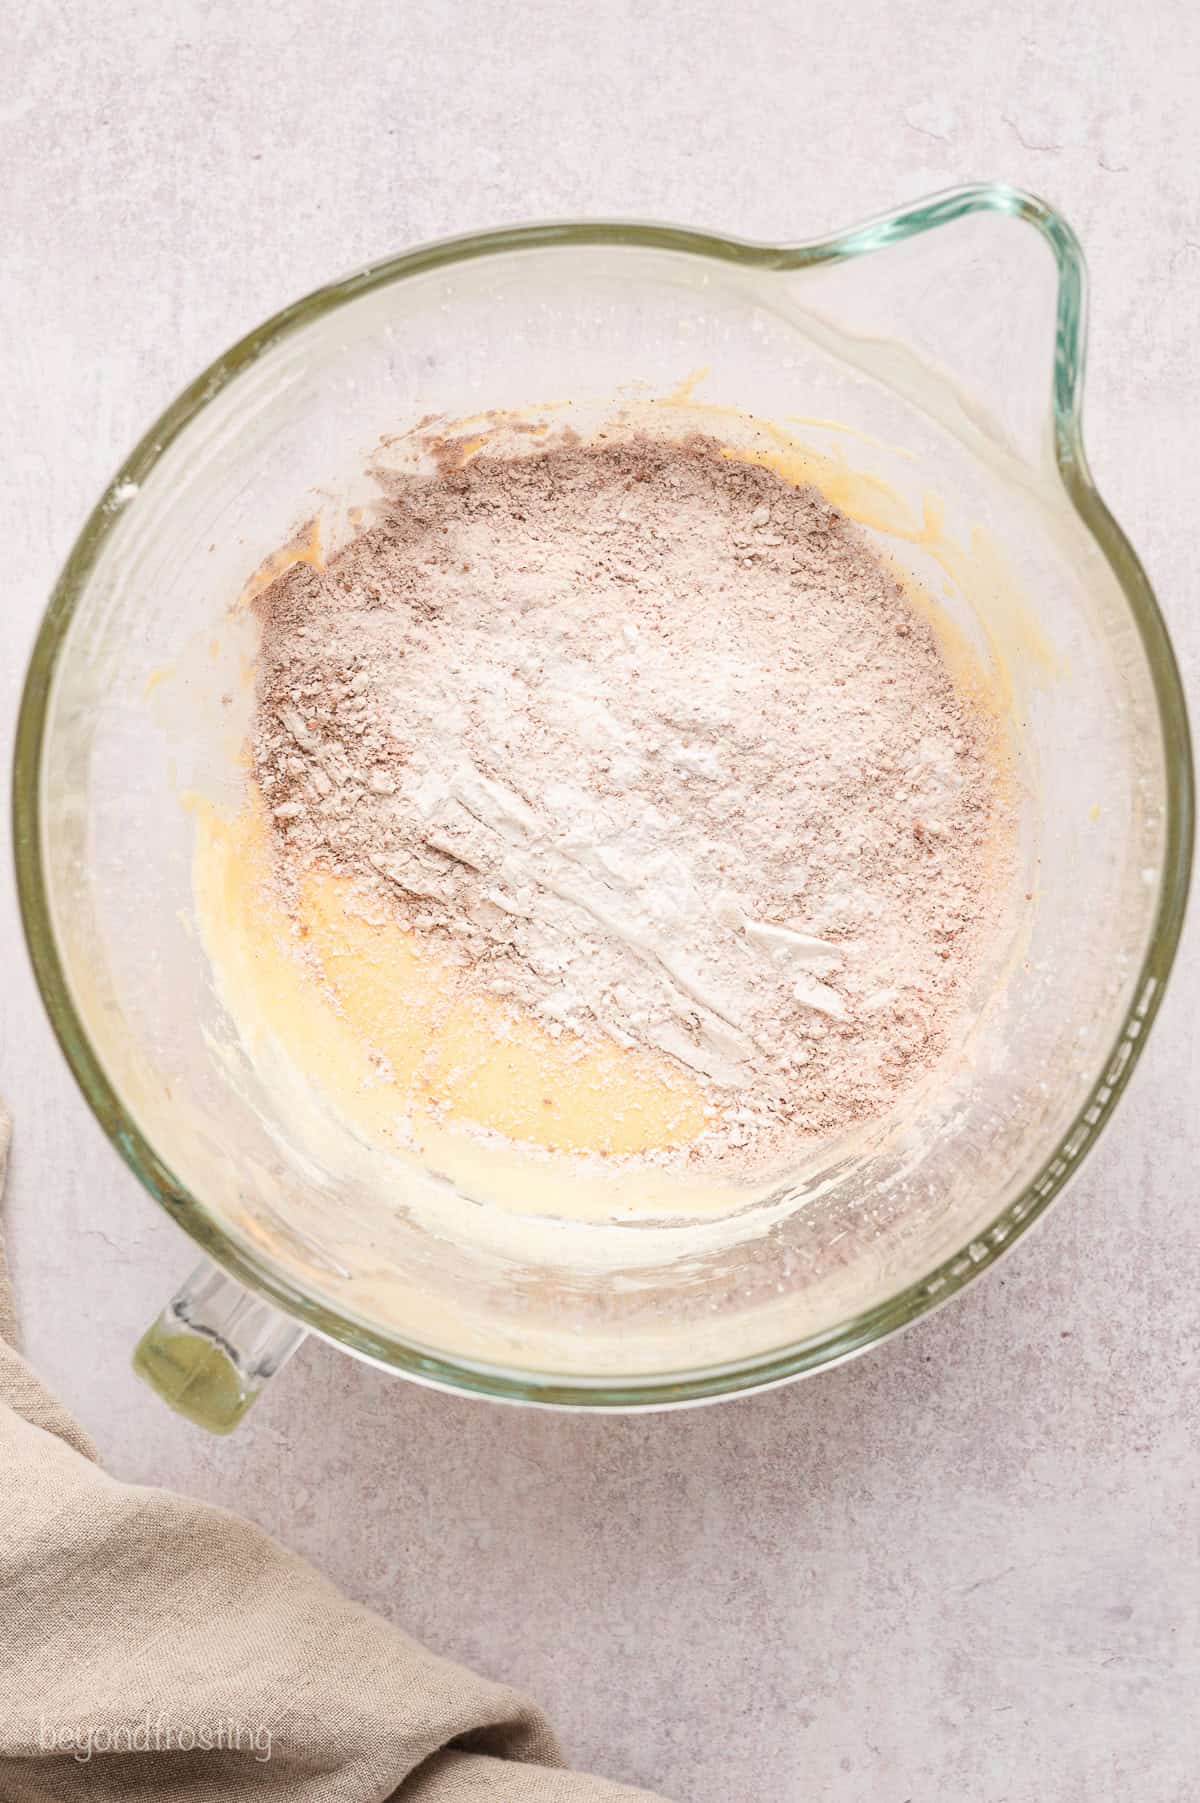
(151, 1646)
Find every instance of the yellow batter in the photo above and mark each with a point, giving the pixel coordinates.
(412, 1059)
(395, 1034)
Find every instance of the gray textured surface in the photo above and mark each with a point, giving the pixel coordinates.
(961, 1569)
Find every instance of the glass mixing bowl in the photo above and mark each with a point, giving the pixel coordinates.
(926, 369)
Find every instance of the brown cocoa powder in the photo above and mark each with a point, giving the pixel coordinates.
(653, 744)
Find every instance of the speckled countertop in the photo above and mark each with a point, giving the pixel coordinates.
(960, 1569)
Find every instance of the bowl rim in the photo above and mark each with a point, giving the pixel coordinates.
(248, 1263)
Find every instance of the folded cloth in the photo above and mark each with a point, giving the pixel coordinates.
(151, 1646)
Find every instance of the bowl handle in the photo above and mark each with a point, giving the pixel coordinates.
(213, 1348)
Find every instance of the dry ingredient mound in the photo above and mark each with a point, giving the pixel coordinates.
(651, 743)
